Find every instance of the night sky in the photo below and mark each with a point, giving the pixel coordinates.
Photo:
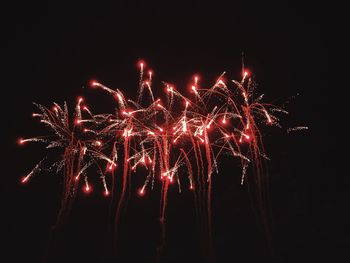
(52, 52)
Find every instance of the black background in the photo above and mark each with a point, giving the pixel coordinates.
(52, 51)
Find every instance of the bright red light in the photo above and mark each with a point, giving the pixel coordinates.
(196, 78)
(111, 166)
(141, 192)
(87, 189)
(24, 179)
(141, 64)
(21, 141)
(93, 83)
(106, 193)
(170, 89)
(221, 82)
(80, 99)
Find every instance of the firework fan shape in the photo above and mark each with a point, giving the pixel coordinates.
(178, 141)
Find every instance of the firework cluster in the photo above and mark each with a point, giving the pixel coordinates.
(178, 141)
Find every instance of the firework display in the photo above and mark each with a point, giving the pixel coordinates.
(178, 140)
